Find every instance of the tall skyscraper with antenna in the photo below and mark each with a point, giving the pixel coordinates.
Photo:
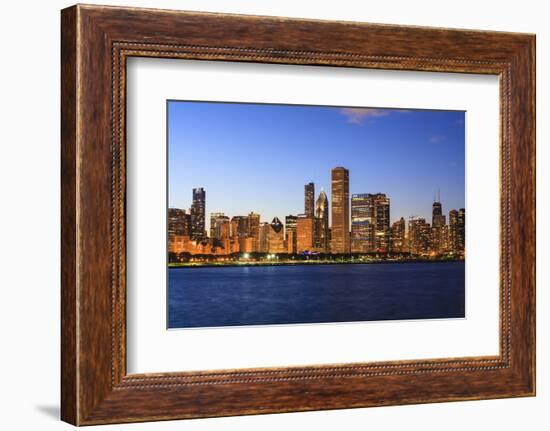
(439, 238)
(438, 219)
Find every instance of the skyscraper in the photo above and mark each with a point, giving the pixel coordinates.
(220, 228)
(419, 236)
(254, 229)
(382, 232)
(290, 233)
(304, 233)
(309, 199)
(438, 218)
(461, 230)
(321, 234)
(263, 245)
(223, 229)
(362, 223)
(453, 231)
(198, 210)
(254, 225)
(178, 222)
(239, 226)
(340, 242)
(398, 236)
(439, 229)
(214, 217)
(276, 237)
(370, 222)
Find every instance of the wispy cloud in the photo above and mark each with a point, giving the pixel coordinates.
(436, 139)
(360, 115)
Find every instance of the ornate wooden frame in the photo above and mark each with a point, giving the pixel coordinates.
(96, 41)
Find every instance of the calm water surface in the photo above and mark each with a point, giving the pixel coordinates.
(262, 295)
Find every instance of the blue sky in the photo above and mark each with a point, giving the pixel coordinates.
(257, 157)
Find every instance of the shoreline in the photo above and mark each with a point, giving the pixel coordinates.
(306, 263)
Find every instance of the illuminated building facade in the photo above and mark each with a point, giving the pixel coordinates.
(247, 245)
(198, 211)
(276, 237)
(461, 234)
(309, 199)
(362, 223)
(382, 232)
(370, 223)
(321, 228)
(305, 227)
(179, 222)
(398, 237)
(340, 236)
(215, 218)
(290, 233)
(263, 245)
(419, 236)
(239, 226)
(453, 230)
(457, 231)
(253, 230)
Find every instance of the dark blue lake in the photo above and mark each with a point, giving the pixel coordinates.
(264, 295)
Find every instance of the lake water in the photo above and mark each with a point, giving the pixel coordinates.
(265, 295)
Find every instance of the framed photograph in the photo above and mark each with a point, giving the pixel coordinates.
(272, 251)
(266, 215)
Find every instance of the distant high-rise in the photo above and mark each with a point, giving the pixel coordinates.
(305, 227)
(439, 228)
(309, 199)
(419, 236)
(461, 231)
(453, 231)
(290, 233)
(362, 223)
(254, 229)
(321, 234)
(276, 237)
(438, 219)
(239, 226)
(214, 217)
(370, 222)
(456, 233)
(223, 229)
(254, 224)
(398, 236)
(179, 222)
(263, 245)
(382, 232)
(198, 210)
(340, 241)
(220, 229)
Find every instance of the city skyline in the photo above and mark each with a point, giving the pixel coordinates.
(360, 225)
(206, 223)
(406, 154)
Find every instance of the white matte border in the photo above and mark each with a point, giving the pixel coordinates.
(152, 348)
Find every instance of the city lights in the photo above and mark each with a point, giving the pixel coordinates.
(360, 230)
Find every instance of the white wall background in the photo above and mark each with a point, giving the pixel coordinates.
(29, 215)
